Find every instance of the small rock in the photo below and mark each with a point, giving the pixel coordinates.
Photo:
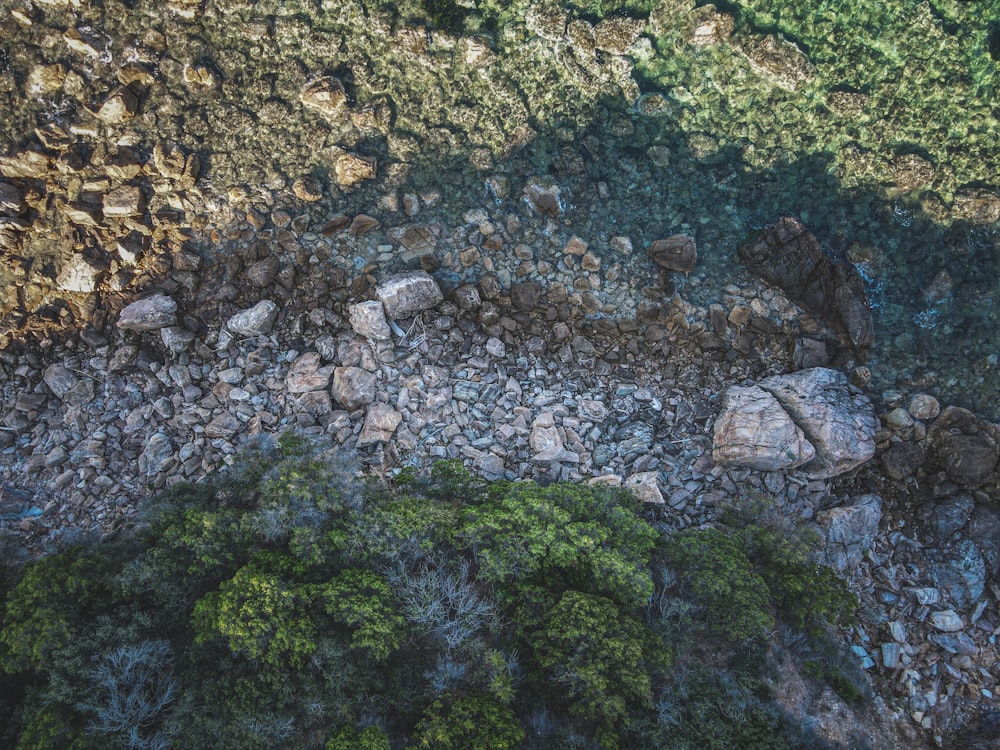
(118, 107)
(307, 189)
(368, 320)
(11, 201)
(78, 274)
(898, 419)
(176, 339)
(224, 426)
(966, 447)
(848, 531)
(149, 314)
(327, 96)
(263, 272)
(890, 655)
(924, 407)
(350, 169)
(544, 440)
(353, 387)
(947, 621)
(381, 421)
(407, 293)
(124, 201)
(256, 321)
(306, 374)
(59, 379)
(675, 253)
(645, 485)
(900, 460)
(156, 455)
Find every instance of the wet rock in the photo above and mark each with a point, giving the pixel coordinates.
(901, 460)
(835, 416)
(327, 96)
(645, 485)
(786, 255)
(848, 531)
(157, 454)
(149, 314)
(710, 27)
(353, 387)
(615, 34)
(965, 447)
(544, 199)
(977, 206)
(60, 379)
(407, 293)
(256, 321)
(350, 169)
(307, 189)
(381, 421)
(118, 107)
(776, 59)
(675, 253)
(306, 374)
(368, 320)
(78, 274)
(124, 201)
(753, 430)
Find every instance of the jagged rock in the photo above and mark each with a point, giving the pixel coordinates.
(675, 253)
(407, 293)
(149, 314)
(351, 169)
(754, 430)
(645, 485)
(786, 255)
(60, 379)
(947, 620)
(124, 201)
(353, 387)
(835, 416)
(381, 421)
(306, 374)
(176, 339)
(960, 572)
(544, 440)
(44, 79)
(30, 164)
(965, 447)
(368, 320)
(11, 201)
(78, 274)
(544, 199)
(120, 105)
(923, 406)
(84, 214)
(256, 321)
(777, 60)
(307, 189)
(951, 515)
(263, 272)
(848, 531)
(157, 454)
(224, 426)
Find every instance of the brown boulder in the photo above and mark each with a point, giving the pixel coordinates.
(676, 253)
(965, 447)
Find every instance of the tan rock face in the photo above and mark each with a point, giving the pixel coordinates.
(351, 169)
(78, 275)
(381, 421)
(118, 107)
(124, 201)
(755, 431)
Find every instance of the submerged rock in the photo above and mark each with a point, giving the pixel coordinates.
(786, 255)
(965, 447)
(675, 253)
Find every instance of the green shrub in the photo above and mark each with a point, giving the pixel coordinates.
(469, 722)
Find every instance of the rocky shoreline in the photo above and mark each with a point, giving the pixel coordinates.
(533, 372)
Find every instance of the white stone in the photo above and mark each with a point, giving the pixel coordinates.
(78, 275)
(255, 321)
(754, 431)
(645, 485)
(407, 293)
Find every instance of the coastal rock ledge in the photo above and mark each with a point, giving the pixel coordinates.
(811, 419)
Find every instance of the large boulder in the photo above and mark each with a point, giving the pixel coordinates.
(755, 431)
(811, 419)
(404, 294)
(837, 418)
(786, 255)
(965, 447)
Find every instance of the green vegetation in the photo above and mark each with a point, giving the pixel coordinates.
(283, 605)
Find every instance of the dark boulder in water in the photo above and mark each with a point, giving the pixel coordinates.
(787, 255)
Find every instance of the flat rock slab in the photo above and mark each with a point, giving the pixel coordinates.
(405, 294)
(149, 314)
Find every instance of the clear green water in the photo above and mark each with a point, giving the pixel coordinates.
(879, 128)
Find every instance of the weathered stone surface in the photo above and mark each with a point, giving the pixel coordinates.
(960, 572)
(350, 169)
(544, 440)
(31, 164)
(353, 387)
(306, 374)
(835, 416)
(787, 255)
(262, 273)
(645, 485)
(176, 338)
(307, 189)
(381, 421)
(78, 274)
(848, 531)
(368, 320)
(947, 620)
(149, 314)
(60, 379)
(327, 96)
(900, 460)
(225, 425)
(120, 105)
(124, 201)
(776, 59)
(407, 293)
(11, 200)
(255, 321)
(157, 454)
(754, 430)
(675, 253)
(924, 407)
(965, 447)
